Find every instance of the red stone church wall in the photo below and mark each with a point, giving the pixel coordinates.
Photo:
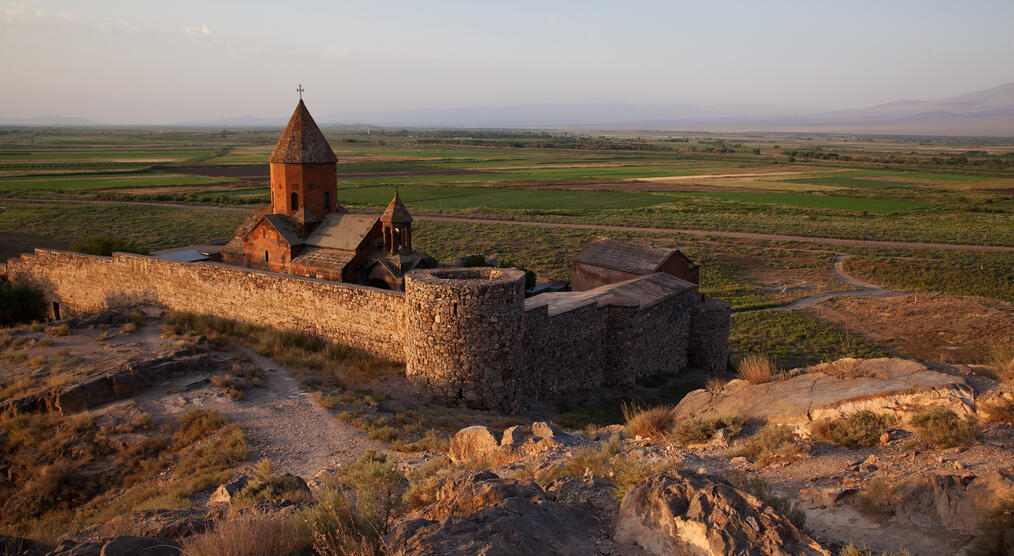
(309, 181)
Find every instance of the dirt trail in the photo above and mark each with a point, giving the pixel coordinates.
(446, 218)
(869, 290)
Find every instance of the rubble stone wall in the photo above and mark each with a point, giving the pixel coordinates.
(647, 341)
(364, 318)
(709, 334)
(564, 352)
(464, 328)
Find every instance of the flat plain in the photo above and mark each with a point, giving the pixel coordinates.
(175, 186)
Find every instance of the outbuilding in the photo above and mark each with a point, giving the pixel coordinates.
(606, 261)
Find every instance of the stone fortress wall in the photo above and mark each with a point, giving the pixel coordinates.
(465, 334)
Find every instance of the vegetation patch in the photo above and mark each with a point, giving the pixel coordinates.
(622, 469)
(20, 303)
(861, 429)
(942, 428)
(698, 430)
(795, 340)
(758, 369)
(771, 443)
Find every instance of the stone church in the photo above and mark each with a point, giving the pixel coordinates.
(305, 231)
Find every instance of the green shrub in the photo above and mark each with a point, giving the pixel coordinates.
(942, 428)
(861, 429)
(609, 462)
(105, 245)
(20, 303)
(266, 485)
(698, 430)
(771, 443)
(378, 485)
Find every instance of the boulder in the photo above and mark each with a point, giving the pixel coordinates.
(473, 443)
(171, 524)
(888, 385)
(480, 513)
(227, 491)
(682, 512)
(140, 546)
(956, 502)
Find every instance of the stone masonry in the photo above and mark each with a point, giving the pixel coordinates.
(466, 334)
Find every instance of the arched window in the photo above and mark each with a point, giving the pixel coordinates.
(327, 201)
(295, 201)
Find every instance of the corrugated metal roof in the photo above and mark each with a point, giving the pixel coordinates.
(643, 291)
(626, 256)
(341, 231)
(302, 142)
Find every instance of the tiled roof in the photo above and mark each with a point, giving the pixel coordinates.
(396, 211)
(323, 258)
(285, 228)
(302, 142)
(251, 221)
(627, 256)
(643, 291)
(341, 231)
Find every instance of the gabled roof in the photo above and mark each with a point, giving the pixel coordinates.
(284, 226)
(641, 292)
(324, 258)
(251, 221)
(341, 231)
(302, 142)
(396, 212)
(626, 256)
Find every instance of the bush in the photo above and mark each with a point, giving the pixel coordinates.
(861, 429)
(250, 535)
(1001, 358)
(106, 246)
(20, 303)
(198, 424)
(758, 369)
(942, 428)
(698, 430)
(608, 462)
(879, 498)
(378, 485)
(771, 443)
(59, 330)
(265, 485)
(648, 423)
(474, 260)
(1000, 410)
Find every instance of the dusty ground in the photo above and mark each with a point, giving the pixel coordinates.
(931, 326)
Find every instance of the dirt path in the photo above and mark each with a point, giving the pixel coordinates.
(869, 290)
(447, 218)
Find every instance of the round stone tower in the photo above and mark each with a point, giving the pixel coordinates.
(464, 330)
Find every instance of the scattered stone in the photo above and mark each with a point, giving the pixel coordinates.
(885, 438)
(227, 491)
(685, 513)
(472, 443)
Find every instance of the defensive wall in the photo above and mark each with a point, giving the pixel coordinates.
(465, 334)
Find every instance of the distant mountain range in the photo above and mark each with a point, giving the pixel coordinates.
(989, 112)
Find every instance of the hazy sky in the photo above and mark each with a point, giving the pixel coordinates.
(138, 61)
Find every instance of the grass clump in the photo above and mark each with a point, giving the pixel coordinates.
(942, 428)
(1001, 358)
(879, 498)
(769, 444)
(762, 490)
(609, 462)
(654, 422)
(853, 550)
(861, 429)
(266, 485)
(698, 430)
(249, 535)
(1000, 410)
(59, 330)
(758, 369)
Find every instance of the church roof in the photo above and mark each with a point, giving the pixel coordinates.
(396, 211)
(285, 229)
(323, 258)
(341, 231)
(626, 256)
(641, 292)
(302, 142)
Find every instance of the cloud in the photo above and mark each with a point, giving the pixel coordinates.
(340, 53)
(197, 32)
(17, 14)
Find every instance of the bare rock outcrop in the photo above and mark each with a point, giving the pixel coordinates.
(472, 443)
(682, 512)
(477, 512)
(477, 443)
(888, 385)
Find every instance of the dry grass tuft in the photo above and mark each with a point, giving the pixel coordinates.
(758, 369)
(853, 550)
(1000, 410)
(942, 428)
(1001, 358)
(715, 384)
(59, 330)
(250, 535)
(654, 422)
(847, 368)
(861, 429)
(769, 444)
